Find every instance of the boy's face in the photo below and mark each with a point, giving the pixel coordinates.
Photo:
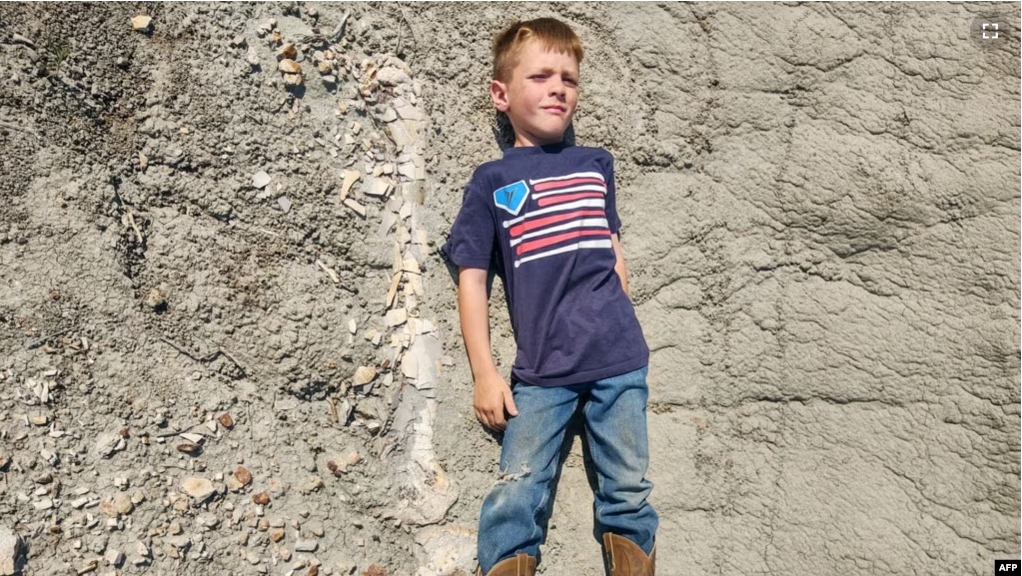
(540, 97)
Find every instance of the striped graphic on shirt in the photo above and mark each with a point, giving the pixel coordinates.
(570, 215)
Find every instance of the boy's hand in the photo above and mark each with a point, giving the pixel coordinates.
(491, 396)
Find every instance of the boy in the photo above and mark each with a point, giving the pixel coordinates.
(545, 216)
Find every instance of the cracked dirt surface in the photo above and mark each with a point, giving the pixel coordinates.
(821, 218)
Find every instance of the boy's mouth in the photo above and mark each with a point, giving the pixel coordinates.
(556, 109)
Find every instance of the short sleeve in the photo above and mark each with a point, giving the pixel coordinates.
(613, 221)
(473, 235)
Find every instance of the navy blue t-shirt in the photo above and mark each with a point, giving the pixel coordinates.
(543, 217)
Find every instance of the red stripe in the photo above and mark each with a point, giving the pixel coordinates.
(540, 222)
(568, 197)
(544, 242)
(565, 183)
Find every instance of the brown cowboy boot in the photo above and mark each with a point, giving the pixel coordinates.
(624, 558)
(520, 565)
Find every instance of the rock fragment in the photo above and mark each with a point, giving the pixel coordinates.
(114, 558)
(141, 23)
(198, 488)
(241, 478)
(391, 76)
(355, 206)
(350, 177)
(363, 375)
(261, 498)
(288, 66)
(260, 179)
(12, 552)
(225, 420)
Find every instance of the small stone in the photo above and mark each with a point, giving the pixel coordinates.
(379, 188)
(156, 299)
(114, 558)
(363, 375)
(350, 177)
(306, 546)
(241, 478)
(287, 52)
(251, 56)
(277, 535)
(396, 317)
(260, 179)
(44, 504)
(261, 498)
(352, 325)
(225, 420)
(293, 79)
(123, 503)
(174, 529)
(39, 420)
(108, 443)
(389, 115)
(141, 23)
(188, 448)
(324, 67)
(12, 552)
(198, 488)
(288, 66)
(355, 206)
(391, 76)
(354, 458)
(252, 558)
(285, 555)
(238, 41)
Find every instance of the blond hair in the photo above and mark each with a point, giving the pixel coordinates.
(552, 35)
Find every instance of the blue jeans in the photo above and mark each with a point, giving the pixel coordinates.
(514, 515)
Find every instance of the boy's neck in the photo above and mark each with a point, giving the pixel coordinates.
(522, 142)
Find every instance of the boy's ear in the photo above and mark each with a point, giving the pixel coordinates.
(498, 92)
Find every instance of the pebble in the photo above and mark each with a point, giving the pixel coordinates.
(238, 42)
(261, 498)
(123, 503)
(391, 76)
(350, 177)
(288, 66)
(364, 375)
(114, 557)
(355, 206)
(44, 504)
(12, 552)
(198, 488)
(284, 203)
(251, 56)
(306, 546)
(260, 179)
(141, 23)
(396, 317)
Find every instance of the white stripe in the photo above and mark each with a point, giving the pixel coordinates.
(569, 248)
(586, 188)
(584, 223)
(587, 203)
(569, 177)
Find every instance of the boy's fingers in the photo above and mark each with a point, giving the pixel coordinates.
(509, 403)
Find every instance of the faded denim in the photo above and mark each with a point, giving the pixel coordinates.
(515, 513)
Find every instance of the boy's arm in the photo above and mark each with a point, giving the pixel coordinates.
(491, 394)
(619, 267)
